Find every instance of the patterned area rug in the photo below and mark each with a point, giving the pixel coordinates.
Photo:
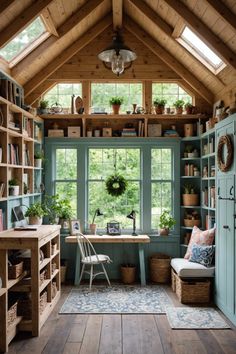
(195, 318)
(118, 299)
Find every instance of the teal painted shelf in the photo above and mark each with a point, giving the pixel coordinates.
(212, 154)
(191, 138)
(194, 177)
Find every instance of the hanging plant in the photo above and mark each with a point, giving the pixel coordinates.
(116, 185)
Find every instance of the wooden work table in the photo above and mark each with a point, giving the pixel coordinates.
(140, 240)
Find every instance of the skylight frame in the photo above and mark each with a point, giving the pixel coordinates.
(195, 51)
(30, 46)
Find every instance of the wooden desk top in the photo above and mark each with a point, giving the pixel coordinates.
(40, 233)
(111, 239)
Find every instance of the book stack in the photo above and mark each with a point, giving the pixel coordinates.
(1, 220)
(13, 154)
(13, 125)
(0, 154)
(189, 169)
(26, 127)
(2, 188)
(26, 156)
(140, 128)
(128, 132)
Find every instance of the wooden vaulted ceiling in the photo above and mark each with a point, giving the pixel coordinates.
(151, 24)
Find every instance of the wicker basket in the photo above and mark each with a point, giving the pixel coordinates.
(160, 268)
(53, 249)
(190, 199)
(15, 270)
(42, 302)
(42, 277)
(173, 280)
(54, 289)
(128, 274)
(63, 273)
(54, 267)
(191, 291)
(192, 222)
(12, 314)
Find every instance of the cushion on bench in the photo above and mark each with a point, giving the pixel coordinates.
(186, 269)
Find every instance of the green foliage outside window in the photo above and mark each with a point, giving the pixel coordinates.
(61, 93)
(171, 92)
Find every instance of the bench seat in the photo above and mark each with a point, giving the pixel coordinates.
(186, 269)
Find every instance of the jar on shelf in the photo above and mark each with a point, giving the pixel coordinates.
(195, 171)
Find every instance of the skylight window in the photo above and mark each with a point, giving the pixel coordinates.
(23, 40)
(200, 50)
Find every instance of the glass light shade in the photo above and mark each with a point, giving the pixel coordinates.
(117, 65)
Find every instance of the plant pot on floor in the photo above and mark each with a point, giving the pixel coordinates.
(128, 272)
(190, 199)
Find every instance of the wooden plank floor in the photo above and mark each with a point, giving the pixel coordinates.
(121, 334)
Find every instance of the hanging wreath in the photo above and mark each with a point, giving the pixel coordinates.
(224, 166)
(116, 185)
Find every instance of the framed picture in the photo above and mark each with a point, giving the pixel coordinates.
(74, 227)
(113, 228)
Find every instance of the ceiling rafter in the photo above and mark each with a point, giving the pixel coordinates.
(168, 30)
(67, 26)
(117, 11)
(41, 89)
(167, 58)
(27, 16)
(48, 21)
(226, 14)
(68, 53)
(212, 40)
(5, 4)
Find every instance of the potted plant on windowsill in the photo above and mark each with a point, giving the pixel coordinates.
(35, 213)
(65, 213)
(189, 108)
(190, 197)
(179, 106)
(166, 223)
(14, 187)
(43, 107)
(38, 158)
(116, 102)
(159, 105)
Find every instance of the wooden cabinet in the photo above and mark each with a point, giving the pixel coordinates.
(41, 279)
(225, 287)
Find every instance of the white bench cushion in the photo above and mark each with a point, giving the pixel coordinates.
(186, 269)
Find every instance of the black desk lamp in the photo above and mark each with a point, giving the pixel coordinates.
(132, 216)
(97, 213)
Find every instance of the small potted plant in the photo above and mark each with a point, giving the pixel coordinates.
(116, 102)
(14, 187)
(188, 151)
(35, 213)
(190, 197)
(65, 212)
(38, 157)
(166, 223)
(189, 108)
(43, 107)
(179, 106)
(159, 105)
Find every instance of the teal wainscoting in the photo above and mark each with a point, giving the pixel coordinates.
(122, 253)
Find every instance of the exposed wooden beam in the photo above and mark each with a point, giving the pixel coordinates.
(212, 40)
(117, 11)
(152, 16)
(167, 58)
(48, 21)
(41, 89)
(27, 16)
(67, 26)
(4, 4)
(68, 53)
(227, 15)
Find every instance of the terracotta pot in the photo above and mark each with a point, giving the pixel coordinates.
(190, 199)
(116, 108)
(189, 110)
(128, 274)
(93, 228)
(159, 109)
(179, 110)
(164, 232)
(35, 220)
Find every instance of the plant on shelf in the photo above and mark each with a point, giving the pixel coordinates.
(189, 108)
(14, 187)
(35, 213)
(38, 157)
(159, 104)
(191, 219)
(188, 150)
(166, 223)
(58, 210)
(190, 196)
(116, 102)
(43, 107)
(179, 106)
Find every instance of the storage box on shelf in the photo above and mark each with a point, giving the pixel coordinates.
(42, 300)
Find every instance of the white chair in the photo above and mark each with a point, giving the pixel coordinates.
(91, 258)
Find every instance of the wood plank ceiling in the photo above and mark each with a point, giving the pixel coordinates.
(154, 24)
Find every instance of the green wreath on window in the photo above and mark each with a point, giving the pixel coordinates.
(116, 185)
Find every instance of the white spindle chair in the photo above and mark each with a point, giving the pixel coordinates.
(91, 258)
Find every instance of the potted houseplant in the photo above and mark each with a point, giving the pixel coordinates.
(116, 102)
(43, 107)
(188, 151)
(14, 187)
(35, 213)
(38, 157)
(52, 209)
(190, 197)
(159, 104)
(64, 212)
(179, 106)
(166, 223)
(189, 108)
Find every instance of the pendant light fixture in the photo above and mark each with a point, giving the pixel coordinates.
(117, 56)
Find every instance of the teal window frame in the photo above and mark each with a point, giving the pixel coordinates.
(145, 146)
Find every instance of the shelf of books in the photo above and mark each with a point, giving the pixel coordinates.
(21, 135)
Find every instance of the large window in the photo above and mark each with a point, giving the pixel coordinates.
(103, 163)
(102, 92)
(66, 176)
(162, 183)
(171, 92)
(61, 93)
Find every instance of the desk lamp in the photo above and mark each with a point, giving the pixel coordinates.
(132, 216)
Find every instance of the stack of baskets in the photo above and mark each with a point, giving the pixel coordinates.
(15, 270)
(12, 314)
(160, 268)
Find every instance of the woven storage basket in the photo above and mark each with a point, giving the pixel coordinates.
(15, 270)
(12, 314)
(42, 277)
(54, 289)
(160, 268)
(191, 222)
(42, 302)
(63, 273)
(191, 291)
(53, 248)
(173, 280)
(54, 267)
(128, 274)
